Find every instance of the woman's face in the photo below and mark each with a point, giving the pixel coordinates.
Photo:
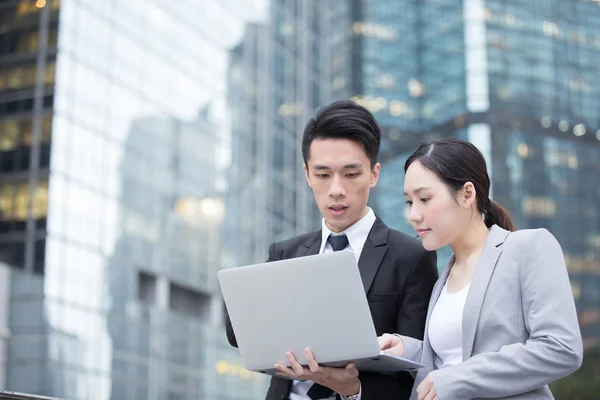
(438, 217)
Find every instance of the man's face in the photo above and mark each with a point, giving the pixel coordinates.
(340, 175)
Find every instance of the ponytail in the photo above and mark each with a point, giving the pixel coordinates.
(495, 214)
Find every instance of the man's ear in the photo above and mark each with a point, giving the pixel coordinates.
(375, 174)
(306, 174)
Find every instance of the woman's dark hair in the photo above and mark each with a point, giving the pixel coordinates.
(344, 119)
(457, 162)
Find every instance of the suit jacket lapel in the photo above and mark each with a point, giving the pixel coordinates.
(311, 247)
(370, 258)
(372, 253)
(483, 273)
(279, 389)
(427, 355)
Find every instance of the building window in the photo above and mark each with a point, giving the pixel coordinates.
(26, 7)
(14, 201)
(39, 256)
(146, 288)
(16, 132)
(23, 76)
(189, 301)
(9, 134)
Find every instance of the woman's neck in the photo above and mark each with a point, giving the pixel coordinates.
(471, 243)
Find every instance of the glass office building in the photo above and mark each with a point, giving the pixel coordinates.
(113, 146)
(276, 81)
(544, 118)
(517, 79)
(404, 61)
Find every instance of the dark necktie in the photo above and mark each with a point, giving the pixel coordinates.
(338, 242)
(317, 391)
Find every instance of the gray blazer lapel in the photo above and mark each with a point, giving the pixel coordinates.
(427, 356)
(439, 285)
(483, 273)
(372, 253)
(312, 247)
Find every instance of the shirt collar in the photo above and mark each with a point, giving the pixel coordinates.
(357, 233)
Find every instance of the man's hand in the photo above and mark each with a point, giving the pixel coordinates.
(426, 390)
(341, 380)
(391, 344)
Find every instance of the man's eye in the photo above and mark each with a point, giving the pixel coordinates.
(409, 202)
(322, 175)
(424, 200)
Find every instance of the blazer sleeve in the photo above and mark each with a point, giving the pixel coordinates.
(554, 347)
(228, 327)
(413, 348)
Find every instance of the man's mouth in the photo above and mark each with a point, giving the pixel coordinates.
(337, 209)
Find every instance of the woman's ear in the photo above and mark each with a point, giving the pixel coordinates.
(469, 195)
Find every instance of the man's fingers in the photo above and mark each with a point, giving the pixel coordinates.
(298, 369)
(351, 369)
(310, 358)
(282, 370)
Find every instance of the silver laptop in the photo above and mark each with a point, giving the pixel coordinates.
(315, 301)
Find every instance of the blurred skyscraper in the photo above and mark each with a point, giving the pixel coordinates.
(516, 78)
(112, 192)
(276, 81)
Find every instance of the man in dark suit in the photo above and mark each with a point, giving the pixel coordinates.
(340, 147)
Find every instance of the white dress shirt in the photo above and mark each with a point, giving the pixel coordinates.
(357, 236)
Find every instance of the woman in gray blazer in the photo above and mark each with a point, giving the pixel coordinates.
(501, 321)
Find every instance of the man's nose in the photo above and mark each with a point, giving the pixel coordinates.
(337, 187)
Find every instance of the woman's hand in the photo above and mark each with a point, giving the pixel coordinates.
(391, 344)
(426, 390)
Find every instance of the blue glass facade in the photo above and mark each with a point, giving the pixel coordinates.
(114, 139)
(515, 78)
(545, 122)
(406, 64)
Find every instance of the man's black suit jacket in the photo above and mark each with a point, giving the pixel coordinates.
(398, 276)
